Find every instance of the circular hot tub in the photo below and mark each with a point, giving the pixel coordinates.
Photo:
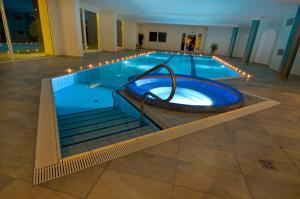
(191, 95)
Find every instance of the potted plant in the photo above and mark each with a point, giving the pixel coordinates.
(213, 48)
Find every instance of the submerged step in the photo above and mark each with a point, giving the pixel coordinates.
(85, 113)
(89, 122)
(106, 140)
(95, 127)
(88, 117)
(105, 132)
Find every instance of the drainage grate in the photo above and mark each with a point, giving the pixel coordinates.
(267, 164)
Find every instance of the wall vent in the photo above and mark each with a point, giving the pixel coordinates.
(289, 22)
(280, 51)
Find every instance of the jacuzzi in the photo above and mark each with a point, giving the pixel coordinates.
(191, 95)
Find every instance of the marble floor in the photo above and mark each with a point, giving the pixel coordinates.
(216, 163)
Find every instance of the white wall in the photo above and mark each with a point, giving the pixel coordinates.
(283, 35)
(220, 36)
(65, 27)
(174, 35)
(210, 35)
(265, 41)
(241, 42)
(130, 34)
(108, 25)
(265, 48)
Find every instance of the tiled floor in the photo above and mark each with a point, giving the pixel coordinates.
(215, 163)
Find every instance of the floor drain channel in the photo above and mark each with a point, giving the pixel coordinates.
(267, 164)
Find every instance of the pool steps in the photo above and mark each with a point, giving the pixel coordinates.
(84, 131)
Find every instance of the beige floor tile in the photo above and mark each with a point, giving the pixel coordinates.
(182, 193)
(117, 185)
(214, 137)
(270, 189)
(257, 135)
(17, 161)
(24, 190)
(294, 155)
(290, 142)
(168, 149)
(5, 181)
(278, 130)
(256, 151)
(147, 165)
(210, 180)
(284, 172)
(78, 184)
(209, 157)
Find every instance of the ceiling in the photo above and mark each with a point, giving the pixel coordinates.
(198, 12)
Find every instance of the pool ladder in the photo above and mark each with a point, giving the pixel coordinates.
(148, 93)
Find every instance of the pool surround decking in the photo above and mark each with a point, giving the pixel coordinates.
(230, 152)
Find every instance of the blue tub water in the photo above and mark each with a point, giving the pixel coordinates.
(192, 94)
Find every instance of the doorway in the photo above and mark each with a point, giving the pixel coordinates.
(90, 28)
(190, 43)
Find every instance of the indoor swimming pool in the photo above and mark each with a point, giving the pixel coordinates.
(89, 117)
(92, 88)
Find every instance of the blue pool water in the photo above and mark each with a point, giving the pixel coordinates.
(90, 89)
(31, 46)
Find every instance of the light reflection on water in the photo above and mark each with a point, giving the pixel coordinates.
(183, 96)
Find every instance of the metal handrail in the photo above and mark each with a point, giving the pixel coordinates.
(172, 93)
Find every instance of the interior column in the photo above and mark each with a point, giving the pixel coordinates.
(290, 49)
(251, 40)
(232, 41)
(108, 30)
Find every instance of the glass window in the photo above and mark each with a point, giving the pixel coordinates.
(162, 37)
(4, 52)
(153, 36)
(25, 28)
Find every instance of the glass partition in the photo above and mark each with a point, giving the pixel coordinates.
(24, 26)
(4, 48)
